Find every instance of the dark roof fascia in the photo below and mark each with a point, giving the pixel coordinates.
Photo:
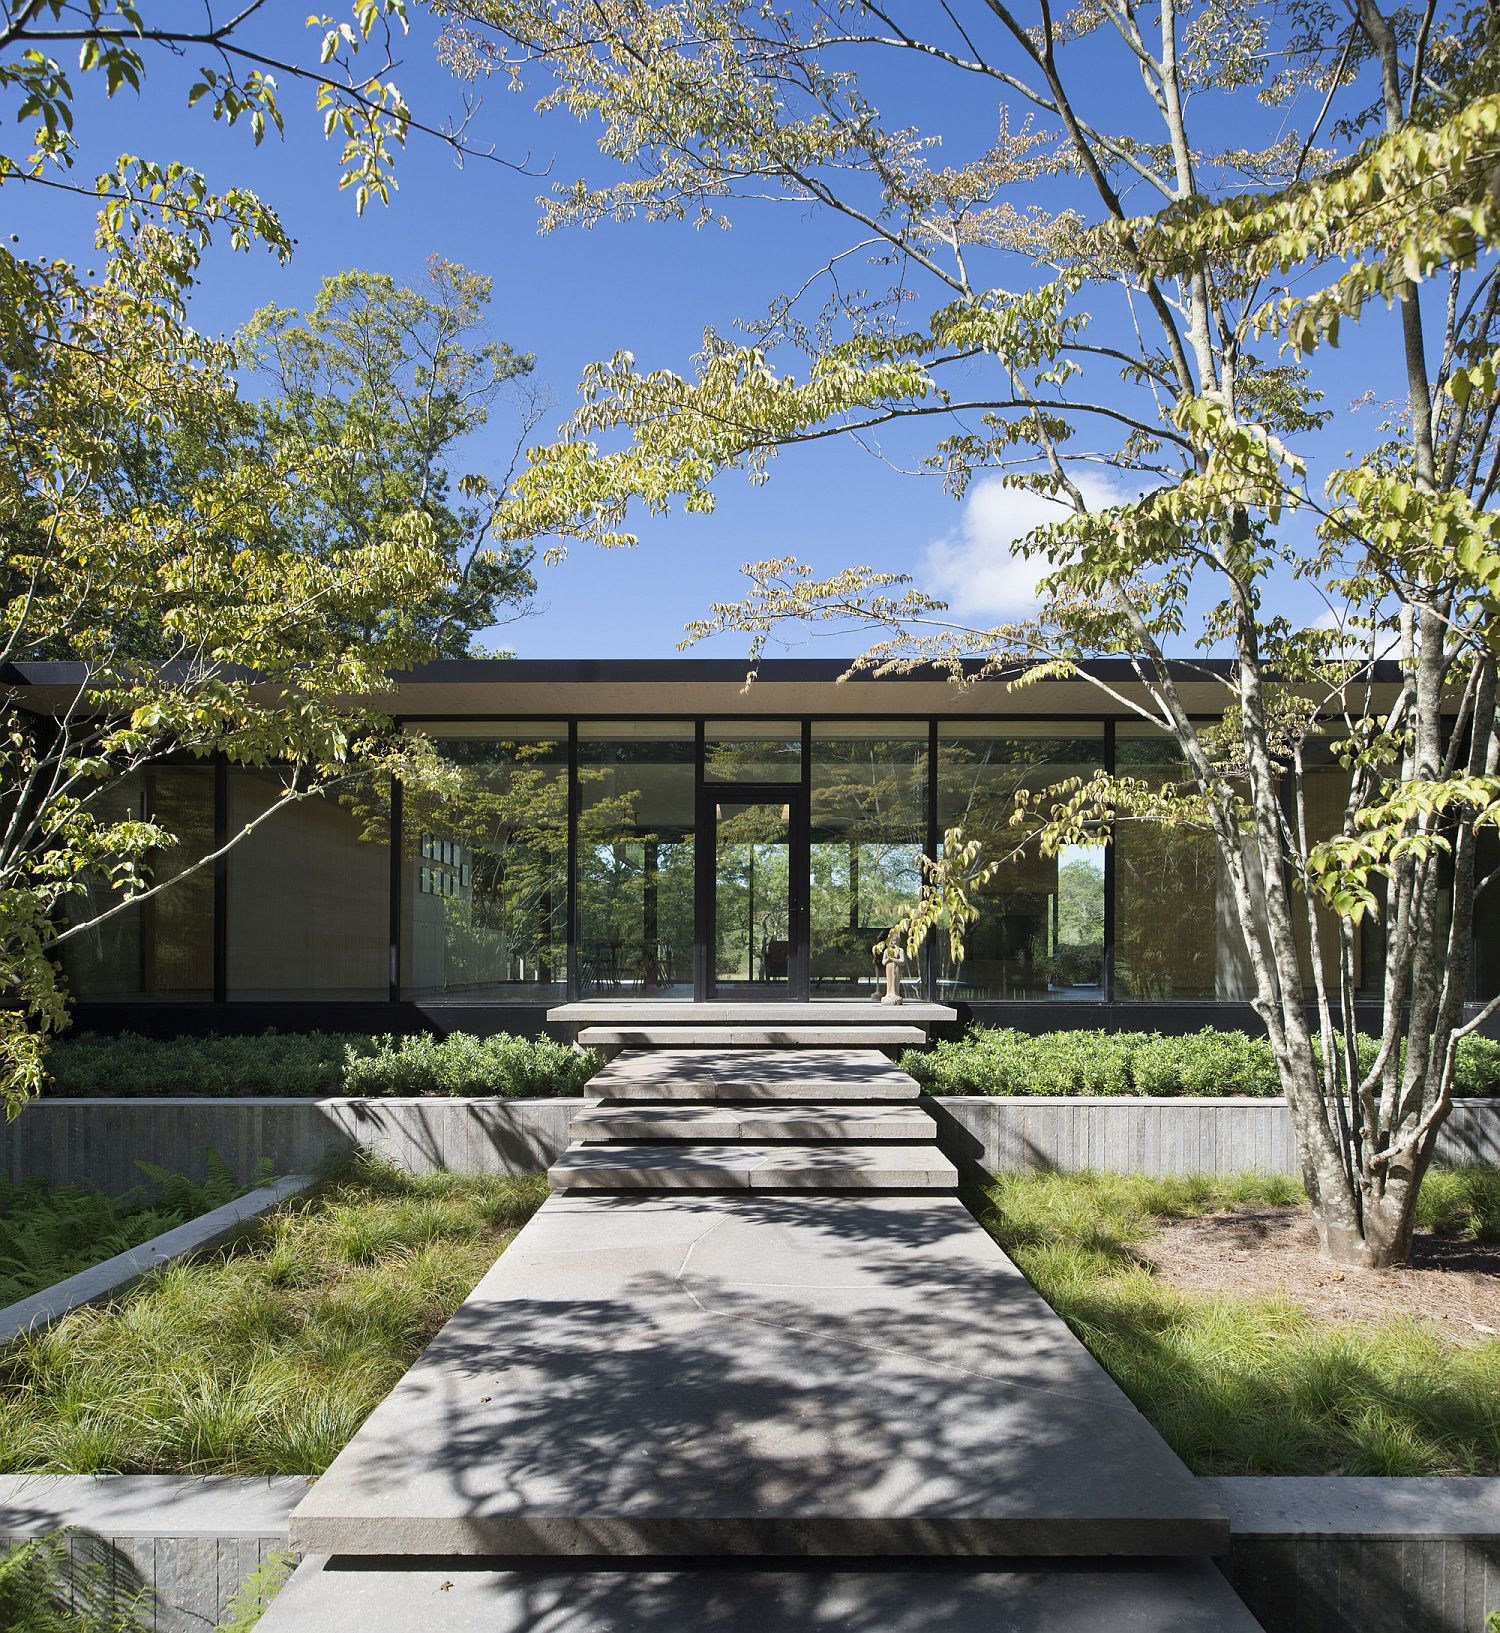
(624, 671)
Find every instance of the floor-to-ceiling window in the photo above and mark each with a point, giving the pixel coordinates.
(484, 857)
(1176, 934)
(868, 836)
(1325, 794)
(308, 890)
(752, 935)
(1040, 930)
(636, 798)
(163, 947)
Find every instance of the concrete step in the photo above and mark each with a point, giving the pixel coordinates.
(823, 1075)
(753, 1168)
(648, 1012)
(1155, 1596)
(747, 1036)
(632, 1120)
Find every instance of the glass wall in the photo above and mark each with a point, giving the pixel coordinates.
(482, 900)
(1176, 934)
(1040, 931)
(308, 892)
(164, 947)
(752, 898)
(752, 751)
(1325, 793)
(636, 792)
(484, 868)
(868, 836)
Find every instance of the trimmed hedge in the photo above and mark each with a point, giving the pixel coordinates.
(313, 1063)
(1001, 1061)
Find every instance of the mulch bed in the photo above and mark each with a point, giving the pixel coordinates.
(1252, 1251)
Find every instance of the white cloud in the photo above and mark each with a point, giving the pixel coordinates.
(1354, 643)
(976, 570)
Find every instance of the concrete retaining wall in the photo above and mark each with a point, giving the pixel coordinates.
(1365, 1556)
(1170, 1136)
(191, 1541)
(98, 1141)
(1308, 1556)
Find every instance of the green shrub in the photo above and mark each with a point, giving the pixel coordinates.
(265, 1063)
(1478, 1067)
(1204, 1063)
(997, 1060)
(48, 1233)
(316, 1063)
(465, 1065)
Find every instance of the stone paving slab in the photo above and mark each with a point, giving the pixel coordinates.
(691, 1375)
(859, 1075)
(763, 1121)
(1155, 1596)
(710, 1167)
(749, 1037)
(653, 1012)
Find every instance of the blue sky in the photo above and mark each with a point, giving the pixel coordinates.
(570, 298)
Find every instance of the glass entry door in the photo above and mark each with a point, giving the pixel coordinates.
(757, 938)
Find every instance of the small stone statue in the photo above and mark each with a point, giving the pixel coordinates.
(894, 959)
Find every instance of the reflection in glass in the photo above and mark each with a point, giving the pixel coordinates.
(1176, 935)
(164, 947)
(1325, 794)
(869, 831)
(1040, 930)
(635, 861)
(752, 902)
(309, 893)
(752, 751)
(484, 870)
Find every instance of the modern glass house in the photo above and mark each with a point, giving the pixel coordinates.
(653, 830)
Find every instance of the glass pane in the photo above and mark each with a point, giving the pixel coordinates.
(164, 947)
(1176, 935)
(484, 873)
(309, 892)
(1040, 930)
(635, 861)
(869, 830)
(1325, 793)
(752, 917)
(1486, 924)
(752, 751)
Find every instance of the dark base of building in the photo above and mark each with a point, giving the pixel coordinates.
(169, 1020)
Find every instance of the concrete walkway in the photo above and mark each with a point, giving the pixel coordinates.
(856, 1397)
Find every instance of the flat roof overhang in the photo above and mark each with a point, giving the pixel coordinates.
(634, 688)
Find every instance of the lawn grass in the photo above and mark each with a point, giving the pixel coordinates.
(266, 1356)
(1254, 1386)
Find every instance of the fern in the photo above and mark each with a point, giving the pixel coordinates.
(48, 1587)
(48, 1233)
(256, 1592)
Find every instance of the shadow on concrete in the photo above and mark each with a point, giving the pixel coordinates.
(771, 1376)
